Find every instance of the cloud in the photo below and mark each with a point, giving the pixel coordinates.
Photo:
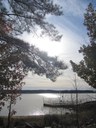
(74, 35)
(66, 81)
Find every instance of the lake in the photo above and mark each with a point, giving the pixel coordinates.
(32, 104)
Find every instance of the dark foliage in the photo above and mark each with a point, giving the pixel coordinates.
(18, 57)
(86, 68)
(28, 15)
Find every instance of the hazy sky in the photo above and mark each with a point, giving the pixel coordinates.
(74, 35)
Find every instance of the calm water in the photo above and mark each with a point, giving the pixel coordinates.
(32, 104)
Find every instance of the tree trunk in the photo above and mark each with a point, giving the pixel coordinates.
(9, 114)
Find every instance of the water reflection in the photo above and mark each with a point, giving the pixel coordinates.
(36, 113)
(50, 95)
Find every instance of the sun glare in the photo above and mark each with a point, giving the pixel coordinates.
(49, 95)
(36, 113)
(53, 48)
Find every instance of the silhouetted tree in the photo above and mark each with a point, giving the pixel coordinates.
(86, 68)
(11, 99)
(17, 61)
(18, 57)
(28, 15)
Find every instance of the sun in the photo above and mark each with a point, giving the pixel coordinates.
(53, 48)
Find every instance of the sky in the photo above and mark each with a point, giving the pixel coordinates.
(70, 25)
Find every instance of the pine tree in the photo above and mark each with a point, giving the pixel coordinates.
(17, 57)
(86, 68)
